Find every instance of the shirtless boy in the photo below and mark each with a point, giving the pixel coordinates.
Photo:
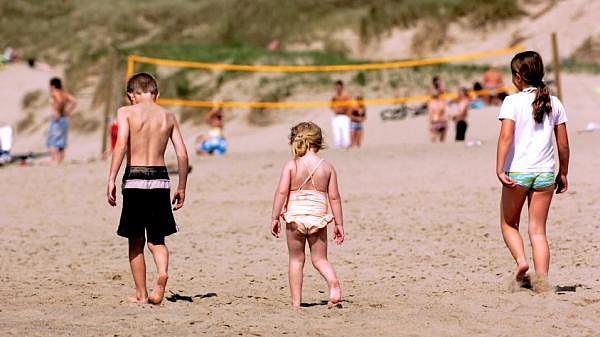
(63, 104)
(437, 110)
(144, 129)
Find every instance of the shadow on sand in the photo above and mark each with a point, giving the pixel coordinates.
(308, 305)
(177, 297)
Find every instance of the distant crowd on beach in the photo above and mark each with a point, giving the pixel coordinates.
(490, 92)
(347, 122)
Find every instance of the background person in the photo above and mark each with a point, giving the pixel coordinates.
(214, 141)
(492, 81)
(357, 118)
(461, 115)
(63, 104)
(437, 112)
(341, 120)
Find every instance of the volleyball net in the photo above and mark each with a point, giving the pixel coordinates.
(133, 60)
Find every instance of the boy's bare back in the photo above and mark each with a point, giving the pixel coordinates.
(150, 128)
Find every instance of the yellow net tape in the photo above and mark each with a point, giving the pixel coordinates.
(315, 104)
(322, 68)
(132, 59)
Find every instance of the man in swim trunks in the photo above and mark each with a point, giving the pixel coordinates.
(492, 81)
(63, 104)
(215, 141)
(437, 110)
(341, 116)
(144, 130)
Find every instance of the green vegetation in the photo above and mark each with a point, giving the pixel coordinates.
(91, 39)
(80, 33)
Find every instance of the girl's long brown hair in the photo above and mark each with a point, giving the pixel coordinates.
(530, 67)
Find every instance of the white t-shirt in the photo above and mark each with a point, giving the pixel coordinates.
(533, 147)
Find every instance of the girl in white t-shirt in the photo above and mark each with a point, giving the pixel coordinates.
(525, 160)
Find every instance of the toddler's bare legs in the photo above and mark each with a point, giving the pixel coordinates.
(160, 253)
(510, 213)
(318, 253)
(296, 243)
(138, 269)
(539, 204)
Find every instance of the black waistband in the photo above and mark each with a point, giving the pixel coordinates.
(146, 172)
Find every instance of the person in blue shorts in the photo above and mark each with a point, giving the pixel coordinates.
(214, 142)
(63, 104)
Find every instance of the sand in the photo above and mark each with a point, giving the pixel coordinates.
(423, 255)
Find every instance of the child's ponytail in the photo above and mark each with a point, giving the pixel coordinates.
(299, 146)
(541, 104)
(530, 67)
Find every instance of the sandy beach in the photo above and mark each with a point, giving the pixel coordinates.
(424, 255)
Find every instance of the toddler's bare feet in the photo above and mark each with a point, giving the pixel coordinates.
(158, 293)
(522, 268)
(335, 295)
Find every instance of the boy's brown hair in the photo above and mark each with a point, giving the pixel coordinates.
(143, 82)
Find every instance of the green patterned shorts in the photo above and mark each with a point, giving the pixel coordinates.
(533, 180)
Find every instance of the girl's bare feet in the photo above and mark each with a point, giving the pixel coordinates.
(136, 299)
(335, 295)
(158, 293)
(522, 268)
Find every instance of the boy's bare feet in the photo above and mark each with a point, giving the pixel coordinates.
(158, 293)
(335, 295)
(522, 268)
(136, 299)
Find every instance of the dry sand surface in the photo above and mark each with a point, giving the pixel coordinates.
(423, 256)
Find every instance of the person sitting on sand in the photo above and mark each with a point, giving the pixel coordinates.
(461, 115)
(63, 104)
(437, 112)
(306, 186)
(492, 82)
(143, 134)
(215, 141)
(525, 160)
(357, 118)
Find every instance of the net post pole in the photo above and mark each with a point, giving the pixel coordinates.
(556, 65)
(110, 65)
(130, 66)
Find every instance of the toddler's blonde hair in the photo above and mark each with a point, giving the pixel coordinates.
(304, 136)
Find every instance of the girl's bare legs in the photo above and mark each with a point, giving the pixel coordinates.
(510, 213)
(138, 269)
(160, 253)
(318, 253)
(539, 204)
(296, 243)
